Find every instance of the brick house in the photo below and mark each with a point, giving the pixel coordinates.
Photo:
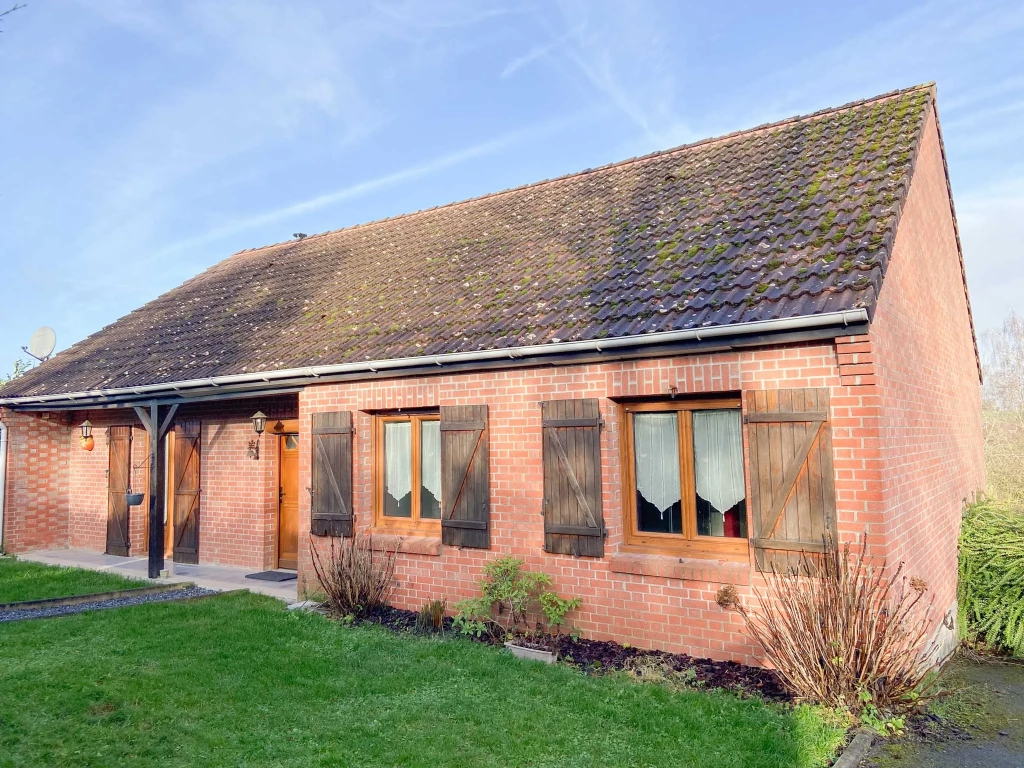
(648, 380)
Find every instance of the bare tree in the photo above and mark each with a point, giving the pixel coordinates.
(1003, 401)
(1003, 361)
(11, 10)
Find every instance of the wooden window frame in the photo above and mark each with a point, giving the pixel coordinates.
(688, 543)
(414, 524)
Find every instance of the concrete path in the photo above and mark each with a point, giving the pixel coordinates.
(989, 707)
(217, 577)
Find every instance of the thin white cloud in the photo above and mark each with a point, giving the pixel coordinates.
(527, 58)
(539, 52)
(620, 52)
(441, 15)
(363, 188)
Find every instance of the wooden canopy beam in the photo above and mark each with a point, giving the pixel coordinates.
(156, 428)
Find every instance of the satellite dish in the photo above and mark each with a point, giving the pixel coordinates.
(41, 345)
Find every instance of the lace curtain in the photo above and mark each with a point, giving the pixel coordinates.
(656, 447)
(718, 459)
(430, 457)
(398, 458)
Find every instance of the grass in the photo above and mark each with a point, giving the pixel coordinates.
(237, 680)
(21, 580)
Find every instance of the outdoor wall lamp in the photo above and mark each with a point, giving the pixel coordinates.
(87, 439)
(259, 423)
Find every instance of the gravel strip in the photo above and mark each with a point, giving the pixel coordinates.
(117, 602)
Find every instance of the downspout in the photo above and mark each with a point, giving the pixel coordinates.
(3, 478)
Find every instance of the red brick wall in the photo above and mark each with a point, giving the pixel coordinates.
(238, 522)
(36, 498)
(679, 614)
(88, 501)
(929, 391)
(57, 492)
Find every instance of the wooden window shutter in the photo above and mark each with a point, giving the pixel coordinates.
(119, 473)
(573, 518)
(465, 481)
(187, 490)
(792, 482)
(331, 493)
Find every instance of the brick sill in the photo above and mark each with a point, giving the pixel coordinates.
(412, 545)
(685, 568)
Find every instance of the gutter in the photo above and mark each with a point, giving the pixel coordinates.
(3, 477)
(843, 318)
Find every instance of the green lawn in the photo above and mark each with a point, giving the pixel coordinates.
(238, 680)
(21, 580)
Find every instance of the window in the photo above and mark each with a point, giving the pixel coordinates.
(683, 465)
(407, 472)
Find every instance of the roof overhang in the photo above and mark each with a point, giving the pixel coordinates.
(700, 340)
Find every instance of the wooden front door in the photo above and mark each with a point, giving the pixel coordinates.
(186, 491)
(288, 503)
(119, 470)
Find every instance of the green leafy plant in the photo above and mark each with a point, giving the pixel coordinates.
(20, 368)
(877, 720)
(992, 576)
(509, 595)
(556, 608)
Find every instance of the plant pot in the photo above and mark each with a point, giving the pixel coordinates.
(548, 657)
(134, 499)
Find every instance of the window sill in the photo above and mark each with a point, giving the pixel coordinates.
(685, 568)
(411, 545)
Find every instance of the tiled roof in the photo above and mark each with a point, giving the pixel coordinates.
(790, 219)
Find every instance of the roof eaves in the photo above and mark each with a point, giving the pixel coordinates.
(956, 234)
(840, 320)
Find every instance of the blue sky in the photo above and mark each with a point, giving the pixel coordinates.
(141, 142)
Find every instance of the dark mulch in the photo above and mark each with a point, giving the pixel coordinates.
(599, 656)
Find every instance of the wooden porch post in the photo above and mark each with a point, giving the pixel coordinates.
(156, 429)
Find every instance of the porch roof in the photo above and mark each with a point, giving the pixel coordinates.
(788, 220)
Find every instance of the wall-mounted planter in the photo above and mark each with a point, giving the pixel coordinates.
(134, 499)
(530, 653)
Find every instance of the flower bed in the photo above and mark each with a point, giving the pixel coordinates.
(599, 656)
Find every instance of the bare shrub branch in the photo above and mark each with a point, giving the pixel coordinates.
(356, 578)
(843, 633)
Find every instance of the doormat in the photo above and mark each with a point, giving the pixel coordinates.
(271, 575)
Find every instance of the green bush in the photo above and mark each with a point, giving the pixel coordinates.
(991, 588)
(509, 596)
